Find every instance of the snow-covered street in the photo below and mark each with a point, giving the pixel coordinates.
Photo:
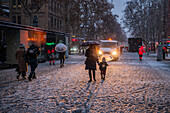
(130, 86)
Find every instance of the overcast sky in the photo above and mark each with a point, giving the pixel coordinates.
(119, 7)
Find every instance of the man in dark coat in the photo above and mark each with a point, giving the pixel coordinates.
(91, 60)
(32, 54)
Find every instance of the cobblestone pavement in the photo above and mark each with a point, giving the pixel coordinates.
(130, 86)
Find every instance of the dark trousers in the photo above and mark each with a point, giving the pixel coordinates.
(90, 75)
(62, 59)
(33, 64)
(163, 55)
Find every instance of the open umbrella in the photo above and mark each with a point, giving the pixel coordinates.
(88, 43)
(60, 47)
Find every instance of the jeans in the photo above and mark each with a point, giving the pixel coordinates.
(33, 64)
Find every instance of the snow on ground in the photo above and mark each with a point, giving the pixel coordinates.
(130, 86)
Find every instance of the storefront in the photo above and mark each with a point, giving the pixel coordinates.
(14, 35)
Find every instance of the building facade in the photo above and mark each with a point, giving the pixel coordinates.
(168, 21)
(49, 17)
(4, 10)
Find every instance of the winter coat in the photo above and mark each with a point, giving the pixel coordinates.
(103, 65)
(141, 50)
(32, 53)
(51, 54)
(91, 59)
(20, 56)
(164, 50)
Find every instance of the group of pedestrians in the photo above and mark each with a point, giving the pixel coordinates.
(26, 58)
(29, 57)
(92, 60)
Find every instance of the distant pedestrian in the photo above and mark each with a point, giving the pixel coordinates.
(62, 58)
(91, 60)
(51, 56)
(141, 50)
(22, 66)
(32, 54)
(164, 51)
(103, 66)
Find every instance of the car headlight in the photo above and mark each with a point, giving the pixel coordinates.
(74, 49)
(114, 53)
(100, 52)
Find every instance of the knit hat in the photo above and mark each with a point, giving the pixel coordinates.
(103, 59)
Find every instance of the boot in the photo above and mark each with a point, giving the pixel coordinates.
(90, 77)
(89, 80)
(104, 77)
(29, 78)
(24, 75)
(34, 77)
(94, 75)
(53, 62)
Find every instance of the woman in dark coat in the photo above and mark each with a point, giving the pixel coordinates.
(91, 60)
(20, 56)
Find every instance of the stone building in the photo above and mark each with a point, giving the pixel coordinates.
(44, 26)
(168, 21)
(4, 10)
(49, 17)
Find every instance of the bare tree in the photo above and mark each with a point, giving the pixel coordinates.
(146, 19)
(32, 7)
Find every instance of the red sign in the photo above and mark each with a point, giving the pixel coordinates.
(74, 39)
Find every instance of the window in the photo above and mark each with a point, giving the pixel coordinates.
(35, 21)
(51, 21)
(19, 3)
(19, 19)
(51, 5)
(58, 22)
(55, 6)
(55, 22)
(14, 19)
(13, 2)
(32, 2)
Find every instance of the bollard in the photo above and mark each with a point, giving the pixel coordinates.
(159, 53)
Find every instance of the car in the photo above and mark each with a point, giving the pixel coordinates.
(109, 49)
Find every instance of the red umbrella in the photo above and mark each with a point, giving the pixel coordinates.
(88, 43)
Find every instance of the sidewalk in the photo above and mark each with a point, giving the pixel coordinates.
(167, 57)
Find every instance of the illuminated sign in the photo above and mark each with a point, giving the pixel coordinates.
(74, 39)
(50, 43)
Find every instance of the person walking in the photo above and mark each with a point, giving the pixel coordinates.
(164, 51)
(103, 66)
(22, 66)
(32, 54)
(62, 58)
(51, 56)
(91, 60)
(141, 50)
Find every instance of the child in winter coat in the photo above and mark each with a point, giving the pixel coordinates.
(103, 66)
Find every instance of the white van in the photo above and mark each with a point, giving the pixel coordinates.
(109, 49)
